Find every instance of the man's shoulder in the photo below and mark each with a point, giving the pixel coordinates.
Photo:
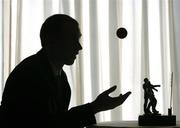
(35, 59)
(33, 63)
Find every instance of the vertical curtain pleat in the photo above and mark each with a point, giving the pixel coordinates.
(144, 49)
(94, 48)
(115, 14)
(78, 10)
(47, 8)
(137, 58)
(174, 53)
(66, 6)
(18, 32)
(144, 41)
(6, 39)
(165, 52)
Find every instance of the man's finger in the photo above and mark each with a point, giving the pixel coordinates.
(110, 90)
(125, 96)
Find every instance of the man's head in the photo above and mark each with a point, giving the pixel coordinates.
(60, 38)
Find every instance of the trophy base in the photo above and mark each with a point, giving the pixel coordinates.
(157, 120)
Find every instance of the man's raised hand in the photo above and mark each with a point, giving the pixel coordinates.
(105, 102)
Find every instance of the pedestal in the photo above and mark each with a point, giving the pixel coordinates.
(157, 120)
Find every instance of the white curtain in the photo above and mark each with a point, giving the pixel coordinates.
(149, 50)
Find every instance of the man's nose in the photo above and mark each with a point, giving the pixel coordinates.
(79, 46)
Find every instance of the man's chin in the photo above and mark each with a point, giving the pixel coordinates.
(69, 62)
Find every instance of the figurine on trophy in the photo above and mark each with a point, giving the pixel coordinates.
(150, 101)
(151, 116)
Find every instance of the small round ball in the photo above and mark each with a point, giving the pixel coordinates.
(121, 33)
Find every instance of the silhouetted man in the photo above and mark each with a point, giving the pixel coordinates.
(37, 92)
(149, 98)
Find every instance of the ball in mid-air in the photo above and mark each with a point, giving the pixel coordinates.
(121, 33)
